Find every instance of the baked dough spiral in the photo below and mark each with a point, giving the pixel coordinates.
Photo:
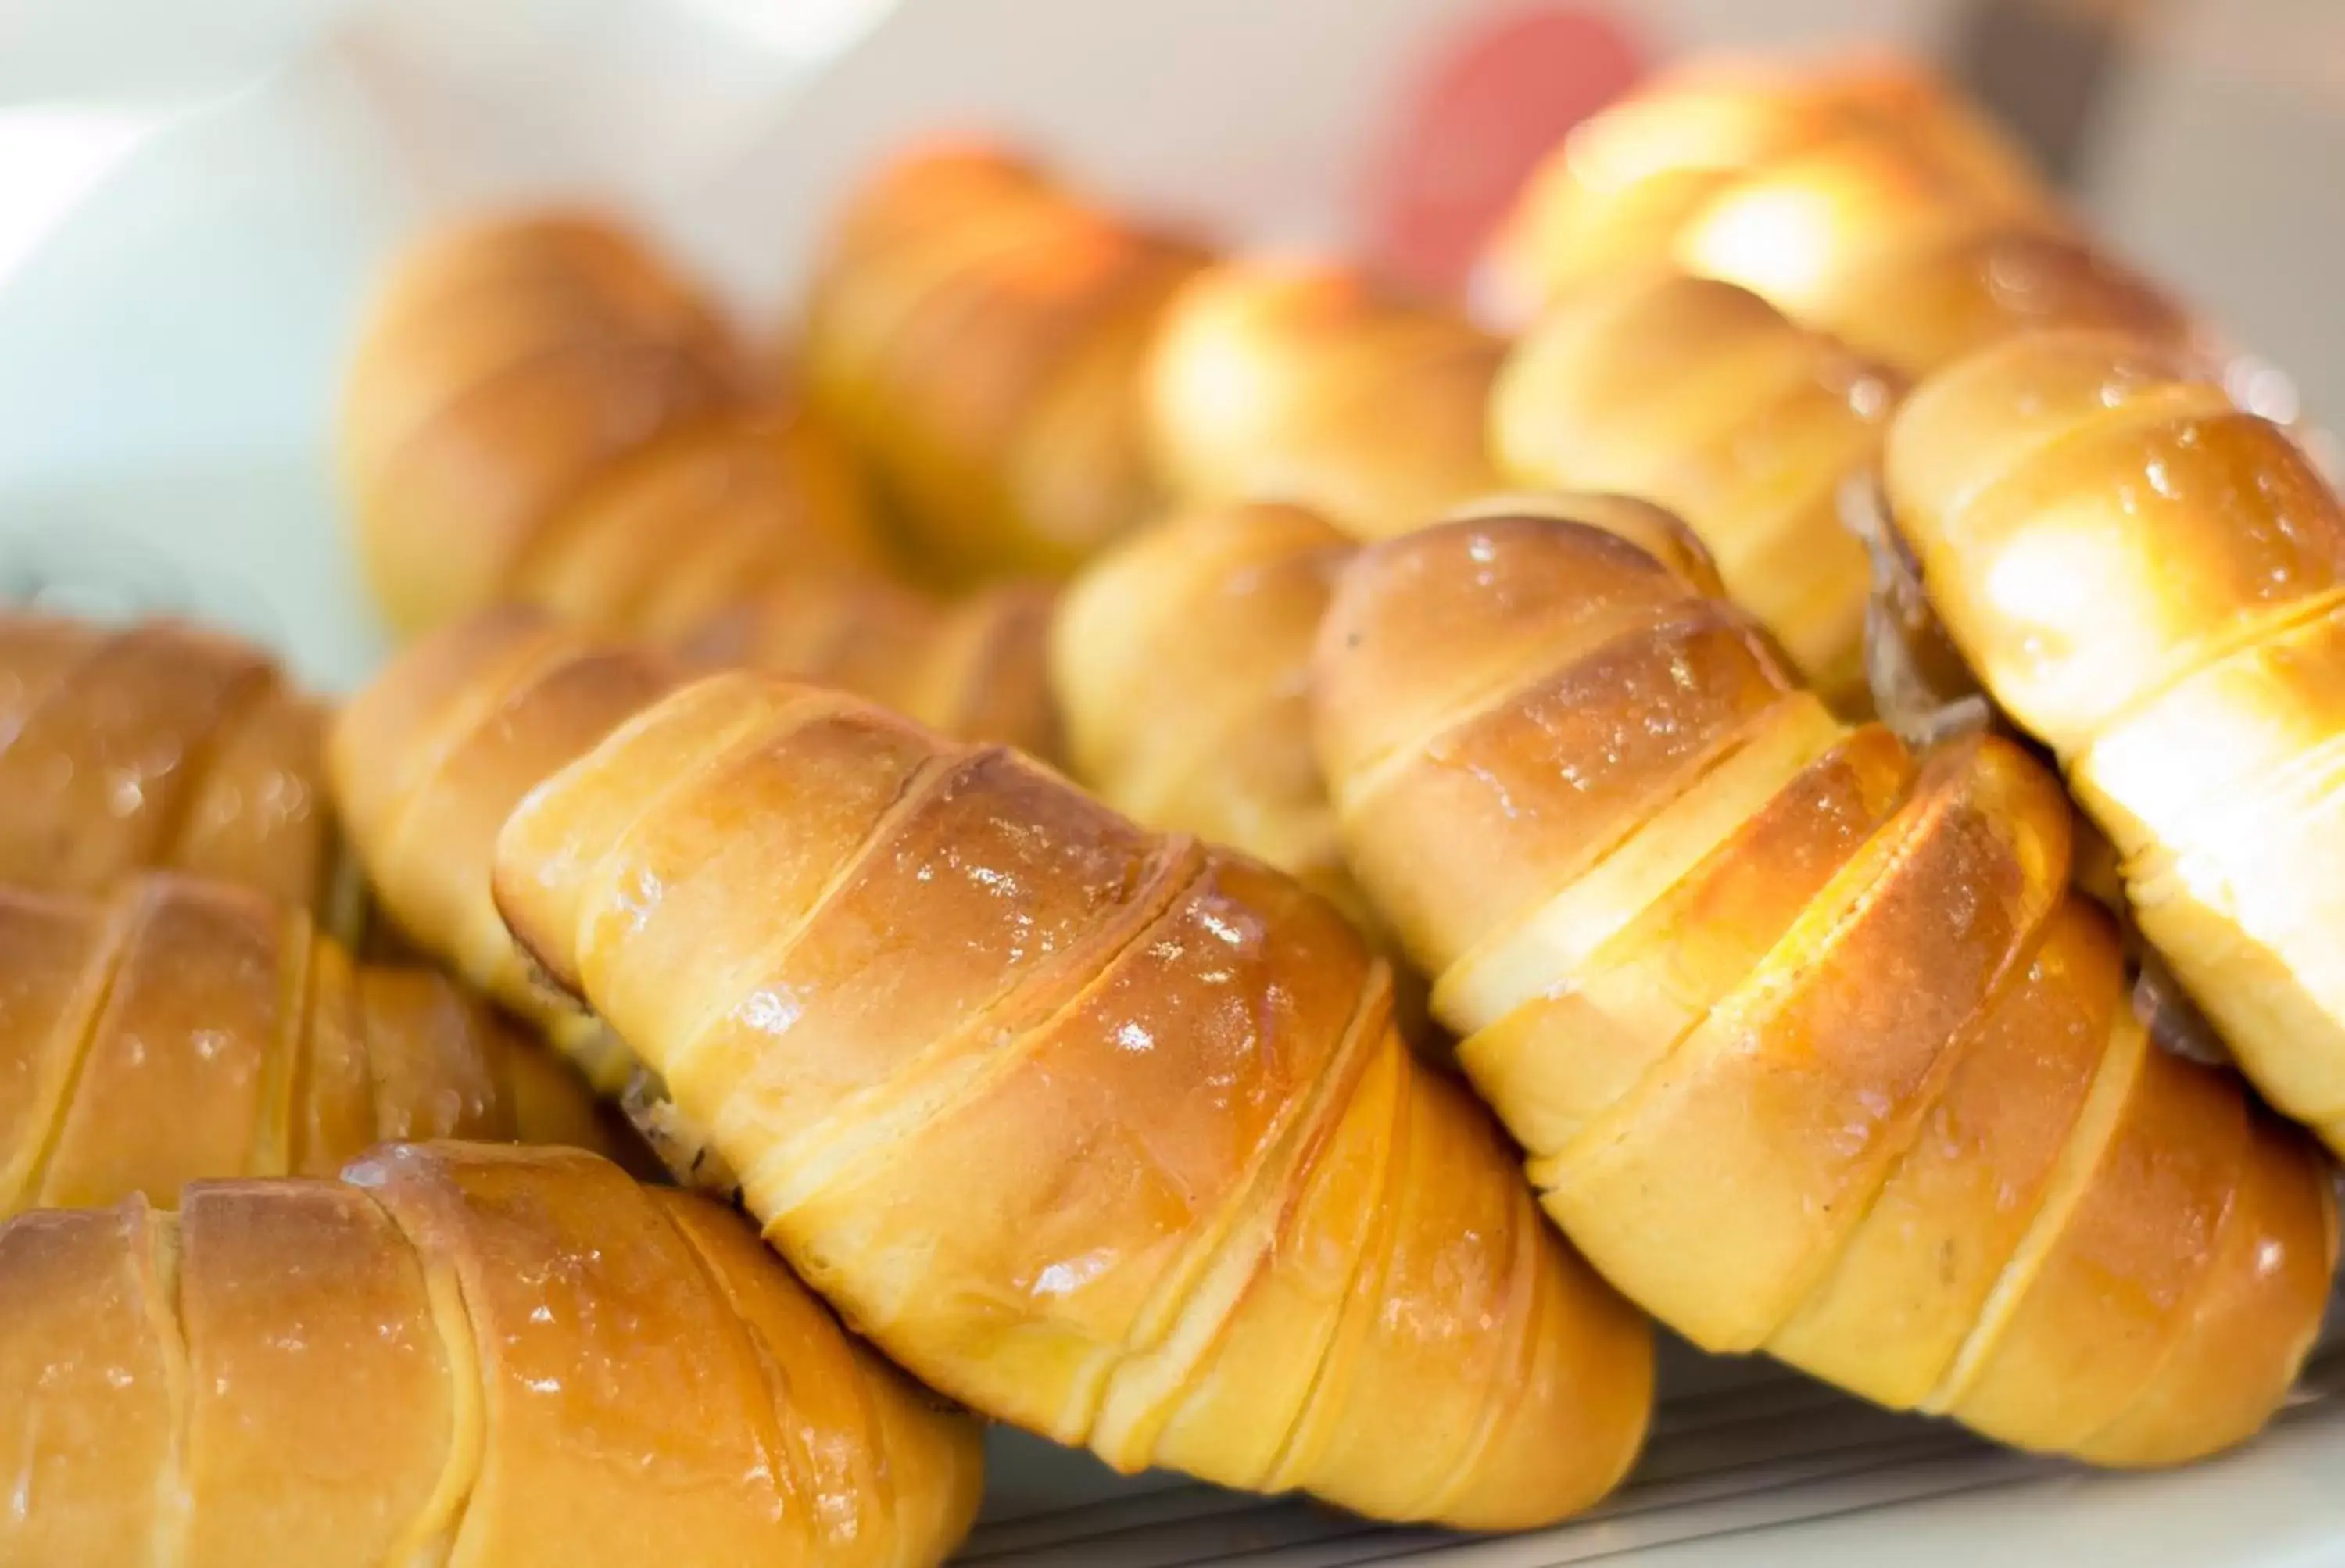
(1104, 1132)
(455, 1354)
(1810, 1044)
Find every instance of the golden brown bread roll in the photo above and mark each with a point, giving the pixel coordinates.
(1858, 240)
(427, 761)
(1702, 397)
(1182, 660)
(454, 1354)
(976, 668)
(1860, 198)
(539, 408)
(1623, 187)
(664, 536)
(161, 744)
(980, 333)
(2149, 580)
(1810, 1045)
(1304, 381)
(180, 1029)
(1102, 1132)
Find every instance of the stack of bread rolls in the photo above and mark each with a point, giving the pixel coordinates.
(1413, 681)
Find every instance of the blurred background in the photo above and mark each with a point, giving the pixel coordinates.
(193, 201)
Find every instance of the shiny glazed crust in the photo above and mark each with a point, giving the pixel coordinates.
(182, 1029)
(158, 745)
(1811, 1046)
(429, 759)
(1182, 660)
(980, 334)
(1102, 1132)
(1303, 381)
(457, 1354)
(2153, 582)
(1702, 397)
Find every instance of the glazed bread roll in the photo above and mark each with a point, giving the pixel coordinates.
(180, 1029)
(161, 744)
(2149, 580)
(1304, 381)
(1811, 1046)
(1622, 187)
(427, 761)
(1704, 398)
(980, 333)
(1858, 240)
(976, 668)
(1102, 1132)
(539, 408)
(454, 1354)
(1182, 660)
(1862, 200)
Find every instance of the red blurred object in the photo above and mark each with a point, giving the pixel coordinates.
(1476, 122)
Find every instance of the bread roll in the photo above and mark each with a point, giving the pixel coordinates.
(427, 761)
(539, 408)
(1182, 659)
(1624, 184)
(454, 1354)
(1303, 381)
(1859, 241)
(2149, 580)
(180, 1029)
(1181, 662)
(161, 744)
(1862, 199)
(1102, 1132)
(980, 333)
(1810, 1045)
(976, 669)
(1702, 397)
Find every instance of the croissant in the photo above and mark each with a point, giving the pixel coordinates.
(540, 409)
(2148, 579)
(161, 744)
(179, 1029)
(454, 1354)
(976, 669)
(980, 333)
(1305, 383)
(1624, 185)
(427, 761)
(1099, 1131)
(1812, 1047)
(1704, 398)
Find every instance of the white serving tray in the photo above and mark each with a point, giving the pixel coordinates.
(168, 354)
